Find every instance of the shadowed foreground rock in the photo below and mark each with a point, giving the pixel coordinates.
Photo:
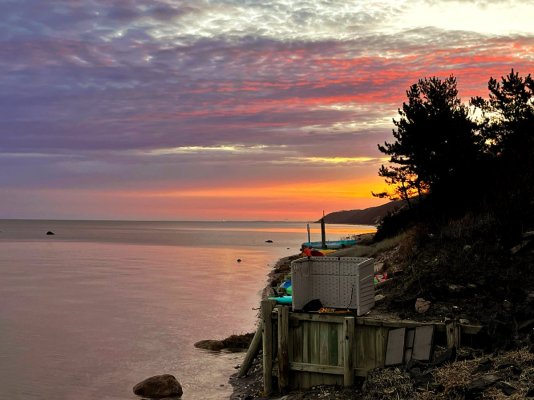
(159, 386)
(213, 345)
(233, 342)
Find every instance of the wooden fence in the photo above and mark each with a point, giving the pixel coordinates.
(308, 349)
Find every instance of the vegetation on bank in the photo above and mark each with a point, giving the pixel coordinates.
(463, 240)
(449, 159)
(465, 174)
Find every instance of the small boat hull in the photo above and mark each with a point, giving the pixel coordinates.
(335, 244)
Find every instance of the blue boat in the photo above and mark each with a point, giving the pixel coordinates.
(330, 244)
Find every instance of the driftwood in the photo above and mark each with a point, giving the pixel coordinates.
(252, 351)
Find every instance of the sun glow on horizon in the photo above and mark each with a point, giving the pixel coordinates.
(226, 109)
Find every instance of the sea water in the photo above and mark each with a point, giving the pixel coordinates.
(90, 311)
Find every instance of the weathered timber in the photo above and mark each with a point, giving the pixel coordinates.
(453, 332)
(423, 343)
(283, 348)
(332, 318)
(266, 314)
(332, 349)
(395, 347)
(322, 369)
(348, 335)
(252, 351)
(468, 329)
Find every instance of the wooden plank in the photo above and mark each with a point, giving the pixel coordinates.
(304, 378)
(359, 347)
(453, 334)
(252, 351)
(393, 323)
(324, 349)
(423, 341)
(370, 321)
(395, 346)
(306, 342)
(283, 348)
(348, 335)
(340, 341)
(290, 338)
(266, 311)
(371, 344)
(381, 335)
(333, 348)
(408, 354)
(296, 338)
(470, 329)
(408, 344)
(336, 319)
(366, 347)
(323, 369)
(314, 344)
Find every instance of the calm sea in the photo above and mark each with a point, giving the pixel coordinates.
(99, 306)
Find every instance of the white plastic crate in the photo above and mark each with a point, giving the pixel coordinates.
(338, 282)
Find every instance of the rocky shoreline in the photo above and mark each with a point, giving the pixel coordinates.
(501, 371)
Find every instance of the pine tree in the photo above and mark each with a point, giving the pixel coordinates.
(435, 143)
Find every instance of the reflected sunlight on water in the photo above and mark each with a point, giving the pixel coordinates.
(88, 318)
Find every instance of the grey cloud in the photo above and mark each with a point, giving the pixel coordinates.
(70, 86)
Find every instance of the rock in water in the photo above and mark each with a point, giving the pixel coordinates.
(159, 386)
(50, 233)
(213, 345)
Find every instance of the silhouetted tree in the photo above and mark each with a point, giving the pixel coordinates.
(508, 115)
(436, 143)
(508, 128)
(405, 185)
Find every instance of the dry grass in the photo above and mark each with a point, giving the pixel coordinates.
(497, 394)
(372, 250)
(388, 384)
(513, 368)
(456, 376)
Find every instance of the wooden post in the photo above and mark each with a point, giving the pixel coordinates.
(283, 348)
(323, 233)
(348, 356)
(252, 351)
(452, 330)
(266, 311)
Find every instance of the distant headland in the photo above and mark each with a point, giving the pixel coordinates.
(367, 216)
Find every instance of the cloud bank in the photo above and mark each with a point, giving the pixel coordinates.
(138, 97)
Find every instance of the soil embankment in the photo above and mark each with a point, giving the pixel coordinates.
(500, 366)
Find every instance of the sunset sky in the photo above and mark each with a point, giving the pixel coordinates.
(225, 109)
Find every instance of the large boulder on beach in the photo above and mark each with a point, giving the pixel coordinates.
(159, 386)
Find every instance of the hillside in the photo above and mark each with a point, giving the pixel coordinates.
(367, 216)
